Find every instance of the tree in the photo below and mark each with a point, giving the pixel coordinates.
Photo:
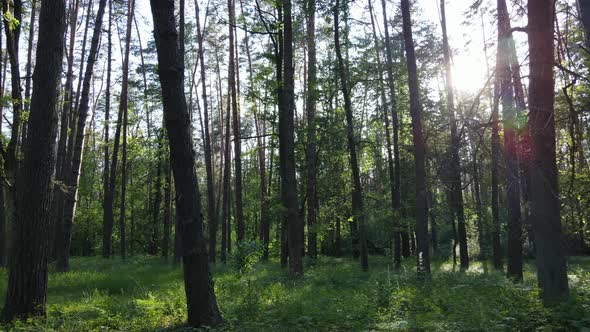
(211, 214)
(310, 110)
(401, 231)
(287, 149)
(357, 195)
(236, 122)
(456, 184)
(27, 280)
(423, 254)
(124, 105)
(506, 89)
(77, 146)
(107, 228)
(200, 296)
(551, 261)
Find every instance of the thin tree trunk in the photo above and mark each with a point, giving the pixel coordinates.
(357, 197)
(423, 254)
(211, 214)
(29, 66)
(235, 124)
(456, 184)
(77, 147)
(27, 280)
(167, 211)
(310, 110)
(400, 231)
(107, 229)
(504, 77)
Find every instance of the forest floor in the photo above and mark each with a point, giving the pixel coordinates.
(144, 294)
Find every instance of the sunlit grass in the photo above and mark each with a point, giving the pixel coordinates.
(144, 294)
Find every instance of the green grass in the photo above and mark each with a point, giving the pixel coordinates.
(143, 294)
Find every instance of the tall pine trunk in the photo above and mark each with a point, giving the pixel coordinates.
(310, 110)
(551, 260)
(73, 179)
(456, 184)
(423, 254)
(201, 301)
(287, 150)
(357, 195)
(400, 229)
(27, 280)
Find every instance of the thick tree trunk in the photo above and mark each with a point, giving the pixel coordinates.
(27, 281)
(456, 184)
(423, 254)
(201, 301)
(287, 150)
(551, 260)
(357, 196)
(72, 179)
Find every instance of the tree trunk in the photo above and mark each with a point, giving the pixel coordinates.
(107, 229)
(400, 230)
(62, 163)
(310, 110)
(287, 150)
(29, 65)
(423, 255)
(357, 196)
(235, 123)
(201, 301)
(211, 214)
(551, 260)
(27, 281)
(504, 77)
(456, 184)
(167, 212)
(73, 179)
(11, 159)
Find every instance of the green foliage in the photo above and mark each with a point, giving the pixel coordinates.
(246, 255)
(143, 294)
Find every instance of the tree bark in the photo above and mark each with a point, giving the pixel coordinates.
(456, 184)
(27, 280)
(73, 179)
(504, 77)
(400, 230)
(211, 214)
(107, 229)
(287, 150)
(310, 110)
(551, 260)
(235, 123)
(357, 196)
(423, 254)
(201, 301)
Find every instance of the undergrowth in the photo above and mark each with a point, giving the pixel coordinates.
(144, 294)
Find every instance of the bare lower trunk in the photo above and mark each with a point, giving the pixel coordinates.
(423, 252)
(27, 280)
